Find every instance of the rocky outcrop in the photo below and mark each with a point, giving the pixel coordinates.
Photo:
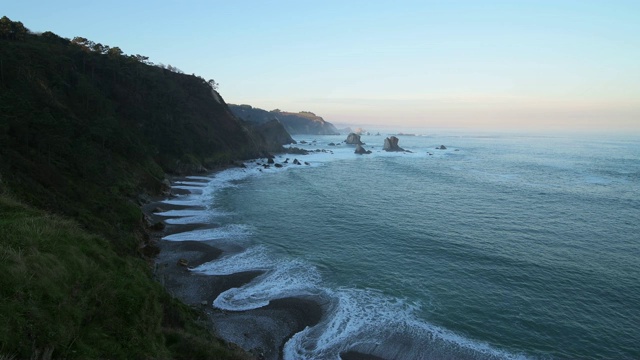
(361, 151)
(391, 144)
(297, 151)
(441, 147)
(353, 139)
(274, 135)
(303, 122)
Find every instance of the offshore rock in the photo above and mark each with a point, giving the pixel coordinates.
(361, 151)
(353, 139)
(441, 147)
(298, 151)
(391, 144)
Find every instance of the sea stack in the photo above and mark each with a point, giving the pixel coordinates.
(353, 139)
(391, 144)
(361, 151)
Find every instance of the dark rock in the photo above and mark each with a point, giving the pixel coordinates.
(332, 144)
(391, 144)
(158, 226)
(274, 135)
(266, 166)
(296, 162)
(353, 139)
(303, 142)
(297, 151)
(441, 147)
(183, 262)
(306, 163)
(270, 161)
(278, 165)
(360, 150)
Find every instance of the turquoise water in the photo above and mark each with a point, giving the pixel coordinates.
(501, 246)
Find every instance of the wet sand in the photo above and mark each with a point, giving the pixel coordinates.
(262, 332)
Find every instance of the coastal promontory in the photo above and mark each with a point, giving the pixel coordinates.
(303, 122)
(88, 134)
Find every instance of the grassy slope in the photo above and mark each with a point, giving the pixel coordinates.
(81, 135)
(66, 292)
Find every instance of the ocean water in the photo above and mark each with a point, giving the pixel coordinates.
(500, 246)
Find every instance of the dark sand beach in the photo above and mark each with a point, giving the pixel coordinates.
(262, 332)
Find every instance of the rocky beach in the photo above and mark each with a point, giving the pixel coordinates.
(262, 332)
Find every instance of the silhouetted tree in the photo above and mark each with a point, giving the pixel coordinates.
(12, 30)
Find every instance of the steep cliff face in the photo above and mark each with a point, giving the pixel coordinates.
(73, 117)
(274, 135)
(84, 129)
(303, 122)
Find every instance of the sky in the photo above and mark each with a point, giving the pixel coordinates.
(546, 65)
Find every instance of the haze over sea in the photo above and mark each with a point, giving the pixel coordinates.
(500, 246)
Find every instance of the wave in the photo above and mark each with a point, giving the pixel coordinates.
(362, 320)
(371, 322)
(229, 233)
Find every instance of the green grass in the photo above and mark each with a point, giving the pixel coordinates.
(65, 291)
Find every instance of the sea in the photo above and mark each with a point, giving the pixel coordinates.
(501, 246)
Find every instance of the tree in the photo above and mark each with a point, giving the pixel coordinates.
(141, 58)
(115, 52)
(86, 44)
(12, 30)
(213, 84)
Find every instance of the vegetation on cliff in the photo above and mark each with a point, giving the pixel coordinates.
(304, 122)
(85, 129)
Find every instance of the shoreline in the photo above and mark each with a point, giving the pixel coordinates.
(261, 332)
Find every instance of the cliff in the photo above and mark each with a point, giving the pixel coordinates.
(303, 122)
(84, 130)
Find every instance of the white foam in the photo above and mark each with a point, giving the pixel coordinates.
(180, 213)
(192, 216)
(367, 319)
(196, 219)
(288, 278)
(226, 232)
(254, 258)
(193, 183)
(282, 278)
(185, 201)
(206, 178)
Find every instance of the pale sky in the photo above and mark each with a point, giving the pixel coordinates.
(491, 64)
